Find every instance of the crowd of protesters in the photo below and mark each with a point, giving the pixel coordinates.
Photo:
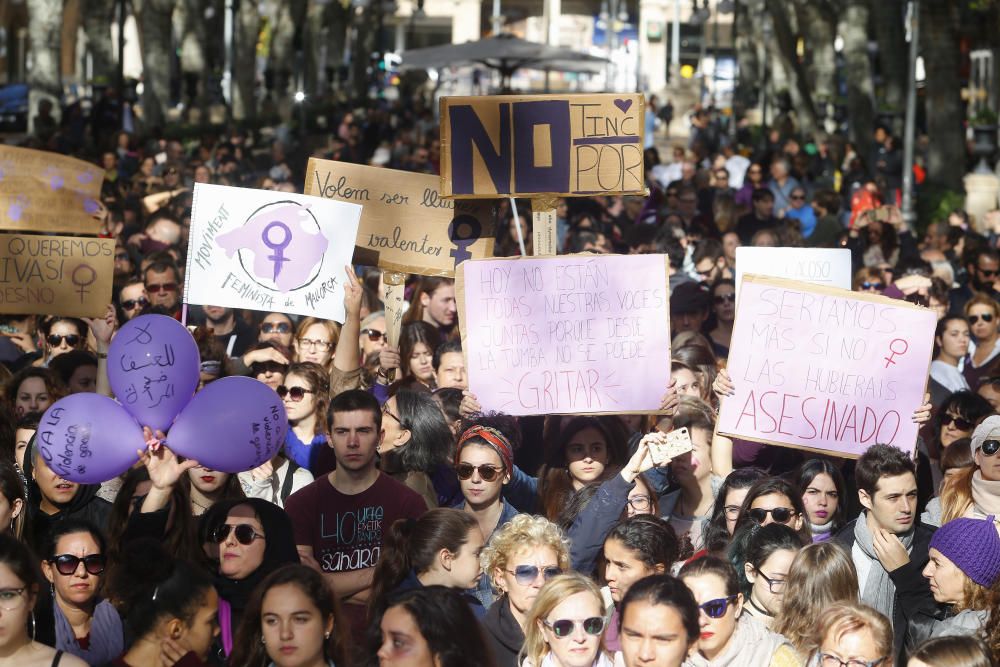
(402, 525)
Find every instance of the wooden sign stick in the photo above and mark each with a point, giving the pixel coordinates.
(543, 226)
(393, 288)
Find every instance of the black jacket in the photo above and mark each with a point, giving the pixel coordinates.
(913, 591)
(503, 634)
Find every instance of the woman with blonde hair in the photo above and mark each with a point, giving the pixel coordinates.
(524, 554)
(975, 492)
(983, 316)
(848, 631)
(315, 341)
(565, 625)
(821, 575)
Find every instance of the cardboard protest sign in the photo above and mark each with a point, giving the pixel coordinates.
(574, 334)
(267, 250)
(406, 224)
(523, 145)
(55, 275)
(828, 267)
(826, 369)
(41, 191)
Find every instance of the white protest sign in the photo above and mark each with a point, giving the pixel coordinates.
(826, 267)
(270, 251)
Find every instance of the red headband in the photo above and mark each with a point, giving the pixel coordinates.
(494, 439)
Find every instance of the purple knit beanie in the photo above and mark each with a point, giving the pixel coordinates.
(973, 545)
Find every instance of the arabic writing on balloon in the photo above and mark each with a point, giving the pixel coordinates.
(146, 360)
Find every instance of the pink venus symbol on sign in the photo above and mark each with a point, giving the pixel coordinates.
(890, 360)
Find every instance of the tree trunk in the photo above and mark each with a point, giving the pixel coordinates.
(783, 47)
(193, 56)
(747, 39)
(281, 63)
(156, 31)
(98, 15)
(887, 17)
(818, 24)
(939, 47)
(247, 30)
(853, 29)
(44, 80)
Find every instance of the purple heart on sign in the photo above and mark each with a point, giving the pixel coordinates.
(85, 177)
(56, 182)
(90, 206)
(623, 105)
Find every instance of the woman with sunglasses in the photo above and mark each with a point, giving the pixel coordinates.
(821, 575)
(315, 341)
(773, 500)
(726, 509)
(524, 554)
(763, 557)
(278, 328)
(249, 539)
(305, 394)
(951, 344)
(975, 492)
(416, 444)
(659, 623)
(20, 583)
(724, 307)
(852, 634)
(74, 618)
(60, 335)
(292, 621)
(33, 390)
(868, 279)
(983, 316)
(266, 362)
(172, 608)
(727, 636)
(441, 548)
(954, 420)
(823, 496)
(565, 625)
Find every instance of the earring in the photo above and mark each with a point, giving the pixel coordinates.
(33, 626)
(327, 635)
(262, 640)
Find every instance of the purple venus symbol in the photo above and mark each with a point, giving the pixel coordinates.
(278, 258)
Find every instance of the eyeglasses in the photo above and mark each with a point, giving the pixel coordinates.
(386, 411)
(797, 197)
(987, 272)
(717, 608)
(66, 564)
(565, 627)
(276, 327)
(312, 342)
(528, 574)
(776, 586)
(132, 304)
(488, 473)
(876, 286)
(990, 447)
(55, 340)
(827, 660)
(779, 514)
(960, 423)
(373, 334)
(724, 298)
(12, 599)
(985, 317)
(261, 367)
(296, 393)
(639, 503)
(161, 287)
(244, 532)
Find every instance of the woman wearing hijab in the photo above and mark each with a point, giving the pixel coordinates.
(247, 539)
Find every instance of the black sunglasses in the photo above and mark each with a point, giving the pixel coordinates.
(129, 304)
(297, 393)
(487, 472)
(779, 514)
(990, 447)
(868, 285)
(725, 298)
(528, 574)
(276, 327)
(244, 532)
(717, 608)
(66, 564)
(373, 334)
(987, 272)
(564, 627)
(55, 340)
(268, 367)
(985, 317)
(960, 423)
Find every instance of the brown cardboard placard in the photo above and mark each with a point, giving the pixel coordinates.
(41, 191)
(570, 334)
(526, 145)
(406, 225)
(55, 275)
(825, 370)
(543, 226)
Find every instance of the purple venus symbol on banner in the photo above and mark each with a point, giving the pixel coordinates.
(278, 247)
(271, 238)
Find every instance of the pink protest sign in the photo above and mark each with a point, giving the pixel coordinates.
(825, 369)
(574, 334)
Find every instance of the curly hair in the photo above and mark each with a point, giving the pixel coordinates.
(524, 531)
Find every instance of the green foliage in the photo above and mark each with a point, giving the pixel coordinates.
(984, 117)
(934, 203)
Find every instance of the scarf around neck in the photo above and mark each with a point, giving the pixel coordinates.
(879, 591)
(106, 636)
(985, 495)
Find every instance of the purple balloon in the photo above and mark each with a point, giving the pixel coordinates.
(234, 424)
(153, 366)
(88, 438)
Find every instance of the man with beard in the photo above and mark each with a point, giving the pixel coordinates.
(225, 325)
(983, 266)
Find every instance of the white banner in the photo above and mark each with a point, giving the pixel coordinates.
(270, 251)
(826, 267)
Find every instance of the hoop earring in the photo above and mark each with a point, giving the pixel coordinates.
(33, 628)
